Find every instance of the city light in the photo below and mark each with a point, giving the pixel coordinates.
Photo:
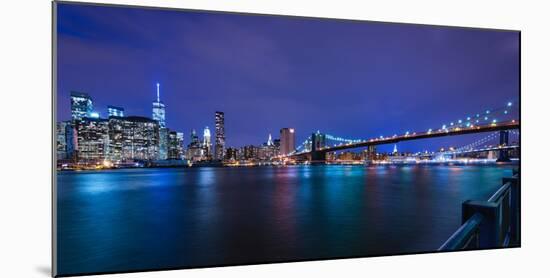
(155, 148)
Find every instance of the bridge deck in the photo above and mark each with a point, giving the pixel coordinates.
(417, 136)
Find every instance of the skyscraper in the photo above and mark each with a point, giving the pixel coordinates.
(269, 140)
(287, 141)
(220, 136)
(194, 137)
(181, 148)
(194, 149)
(81, 105)
(93, 139)
(207, 145)
(61, 136)
(175, 141)
(133, 138)
(159, 112)
(164, 143)
(115, 111)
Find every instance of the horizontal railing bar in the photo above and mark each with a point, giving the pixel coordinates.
(463, 235)
(500, 192)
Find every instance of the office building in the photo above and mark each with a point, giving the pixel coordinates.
(287, 137)
(231, 154)
(219, 147)
(133, 138)
(164, 134)
(115, 111)
(159, 111)
(207, 144)
(61, 139)
(195, 151)
(175, 142)
(92, 139)
(181, 145)
(250, 152)
(81, 106)
(268, 150)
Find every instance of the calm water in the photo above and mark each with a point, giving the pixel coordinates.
(164, 218)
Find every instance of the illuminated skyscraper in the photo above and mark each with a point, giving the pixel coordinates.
(61, 136)
(220, 136)
(81, 105)
(115, 111)
(269, 140)
(194, 137)
(194, 149)
(159, 111)
(288, 139)
(175, 143)
(207, 145)
(267, 150)
(164, 143)
(133, 138)
(181, 148)
(93, 139)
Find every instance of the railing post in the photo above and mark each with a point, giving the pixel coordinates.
(489, 230)
(515, 206)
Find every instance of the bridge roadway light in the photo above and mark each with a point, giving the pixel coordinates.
(509, 103)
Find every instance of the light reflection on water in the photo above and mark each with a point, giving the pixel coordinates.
(164, 218)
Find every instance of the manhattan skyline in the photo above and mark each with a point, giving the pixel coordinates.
(266, 73)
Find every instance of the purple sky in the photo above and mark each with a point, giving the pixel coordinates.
(347, 78)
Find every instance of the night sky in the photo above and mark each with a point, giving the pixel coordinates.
(347, 78)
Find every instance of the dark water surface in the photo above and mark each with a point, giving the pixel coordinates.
(139, 219)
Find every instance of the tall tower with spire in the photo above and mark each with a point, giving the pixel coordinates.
(159, 111)
(159, 115)
(269, 140)
(394, 149)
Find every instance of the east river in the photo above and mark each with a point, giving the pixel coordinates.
(138, 219)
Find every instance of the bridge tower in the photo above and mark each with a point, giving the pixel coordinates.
(318, 141)
(503, 154)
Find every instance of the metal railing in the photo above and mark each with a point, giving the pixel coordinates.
(492, 223)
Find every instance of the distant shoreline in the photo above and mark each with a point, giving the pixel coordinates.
(454, 163)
